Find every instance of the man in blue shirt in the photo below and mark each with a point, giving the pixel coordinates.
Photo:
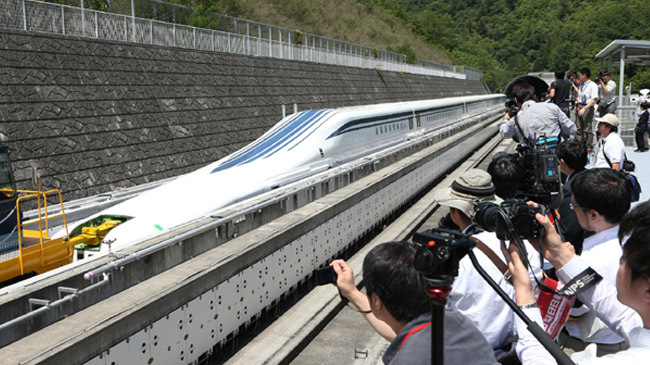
(534, 119)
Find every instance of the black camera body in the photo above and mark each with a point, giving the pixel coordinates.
(541, 182)
(438, 254)
(497, 218)
(511, 108)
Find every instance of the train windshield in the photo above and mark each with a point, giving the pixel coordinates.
(7, 184)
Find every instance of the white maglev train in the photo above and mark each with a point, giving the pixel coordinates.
(298, 146)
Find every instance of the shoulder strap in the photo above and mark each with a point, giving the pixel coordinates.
(414, 331)
(610, 162)
(520, 130)
(602, 145)
(493, 257)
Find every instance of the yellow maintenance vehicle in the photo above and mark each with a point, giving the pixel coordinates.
(25, 246)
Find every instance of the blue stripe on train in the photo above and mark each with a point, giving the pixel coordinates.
(293, 127)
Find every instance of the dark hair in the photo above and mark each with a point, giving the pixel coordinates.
(636, 250)
(507, 175)
(523, 91)
(606, 73)
(388, 272)
(585, 71)
(559, 73)
(645, 105)
(573, 153)
(604, 190)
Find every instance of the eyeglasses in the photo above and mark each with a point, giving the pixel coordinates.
(574, 207)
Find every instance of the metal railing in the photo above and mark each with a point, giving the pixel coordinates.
(237, 36)
(627, 121)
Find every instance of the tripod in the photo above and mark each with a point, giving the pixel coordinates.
(438, 291)
(437, 260)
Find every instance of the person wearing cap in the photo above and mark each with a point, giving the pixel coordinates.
(470, 294)
(611, 149)
(607, 91)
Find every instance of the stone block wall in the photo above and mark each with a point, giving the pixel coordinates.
(93, 115)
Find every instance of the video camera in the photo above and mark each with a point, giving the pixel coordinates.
(513, 215)
(438, 254)
(540, 168)
(541, 182)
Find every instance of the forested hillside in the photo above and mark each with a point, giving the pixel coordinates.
(506, 38)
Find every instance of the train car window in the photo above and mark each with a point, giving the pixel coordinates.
(419, 121)
(410, 122)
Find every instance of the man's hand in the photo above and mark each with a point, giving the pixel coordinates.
(581, 111)
(345, 278)
(520, 279)
(556, 252)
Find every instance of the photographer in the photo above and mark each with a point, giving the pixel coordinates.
(534, 119)
(573, 159)
(507, 175)
(629, 315)
(607, 91)
(641, 127)
(470, 294)
(587, 97)
(559, 92)
(601, 197)
(396, 303)
(611, 149)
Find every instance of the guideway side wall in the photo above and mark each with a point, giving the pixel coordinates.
(93, 116)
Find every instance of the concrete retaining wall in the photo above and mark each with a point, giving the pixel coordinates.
(94, 116)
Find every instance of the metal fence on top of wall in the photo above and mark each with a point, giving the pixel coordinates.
(235, 36)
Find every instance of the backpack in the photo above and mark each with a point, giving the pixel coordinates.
(626, 170)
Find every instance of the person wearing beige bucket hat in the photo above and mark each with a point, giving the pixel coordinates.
(611, 149)
(470, 294)
(471, 187)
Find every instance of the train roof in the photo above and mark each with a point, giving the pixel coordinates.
(419, 104)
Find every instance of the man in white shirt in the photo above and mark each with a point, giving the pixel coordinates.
(601, 197)
(611, 149)
(587, 97)
(470, 294)
(625, 308)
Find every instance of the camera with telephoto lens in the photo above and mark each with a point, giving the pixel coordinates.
(512, 214)
(511, 108)
(438, 253)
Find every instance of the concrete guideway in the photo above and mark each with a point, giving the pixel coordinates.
(126, 325)
(319, 329)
